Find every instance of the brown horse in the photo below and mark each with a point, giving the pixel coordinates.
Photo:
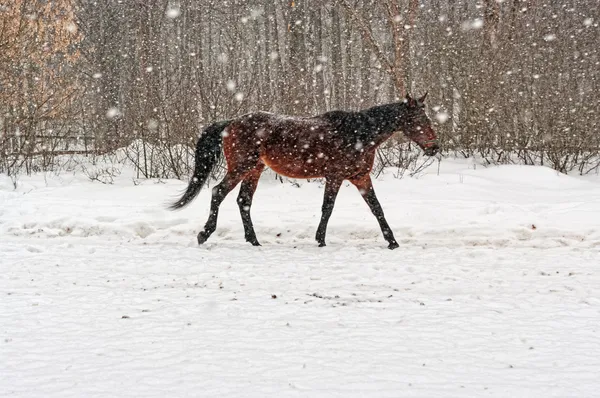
(336, 145)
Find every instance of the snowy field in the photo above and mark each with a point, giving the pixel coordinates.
(494, 291)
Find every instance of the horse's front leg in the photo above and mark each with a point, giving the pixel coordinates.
(332, 187)
(365, 187)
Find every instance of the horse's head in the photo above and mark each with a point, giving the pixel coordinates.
(417, 126)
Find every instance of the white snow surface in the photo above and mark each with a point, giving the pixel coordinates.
(494, 291)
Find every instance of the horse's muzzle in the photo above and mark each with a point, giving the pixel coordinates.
(432, 149)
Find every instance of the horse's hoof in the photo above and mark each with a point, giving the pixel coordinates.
(202, 237)
(252, 240)
(322, 244)
(393, 245)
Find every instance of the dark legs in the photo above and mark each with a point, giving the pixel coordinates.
(366, 190)
(250, 177)
(332, 186)
(365, 187)
(244, 200)
(218, 194)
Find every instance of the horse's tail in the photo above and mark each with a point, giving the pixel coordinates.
(208, 153)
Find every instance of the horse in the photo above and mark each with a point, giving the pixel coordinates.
(335, 145)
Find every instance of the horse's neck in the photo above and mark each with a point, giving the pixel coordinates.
(385, 119)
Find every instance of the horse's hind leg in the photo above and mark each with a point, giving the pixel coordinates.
(244, 200)
(232, 178)
(365, 187)
(332, 186)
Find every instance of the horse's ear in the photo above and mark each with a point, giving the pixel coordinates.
(422, 99)
(409, 100)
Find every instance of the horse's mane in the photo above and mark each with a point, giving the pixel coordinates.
(364, 124)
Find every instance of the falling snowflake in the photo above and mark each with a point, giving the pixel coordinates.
(71, 28)
(152, 124)
(476, 23)
(442, 117)
(113, 113)
(173, 12)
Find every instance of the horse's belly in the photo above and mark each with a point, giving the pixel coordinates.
(295, 166)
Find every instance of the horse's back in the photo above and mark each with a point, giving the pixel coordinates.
(299, 147)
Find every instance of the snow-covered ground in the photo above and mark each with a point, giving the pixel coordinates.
(494, 291)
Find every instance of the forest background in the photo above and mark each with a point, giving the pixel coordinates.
(513, 81)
